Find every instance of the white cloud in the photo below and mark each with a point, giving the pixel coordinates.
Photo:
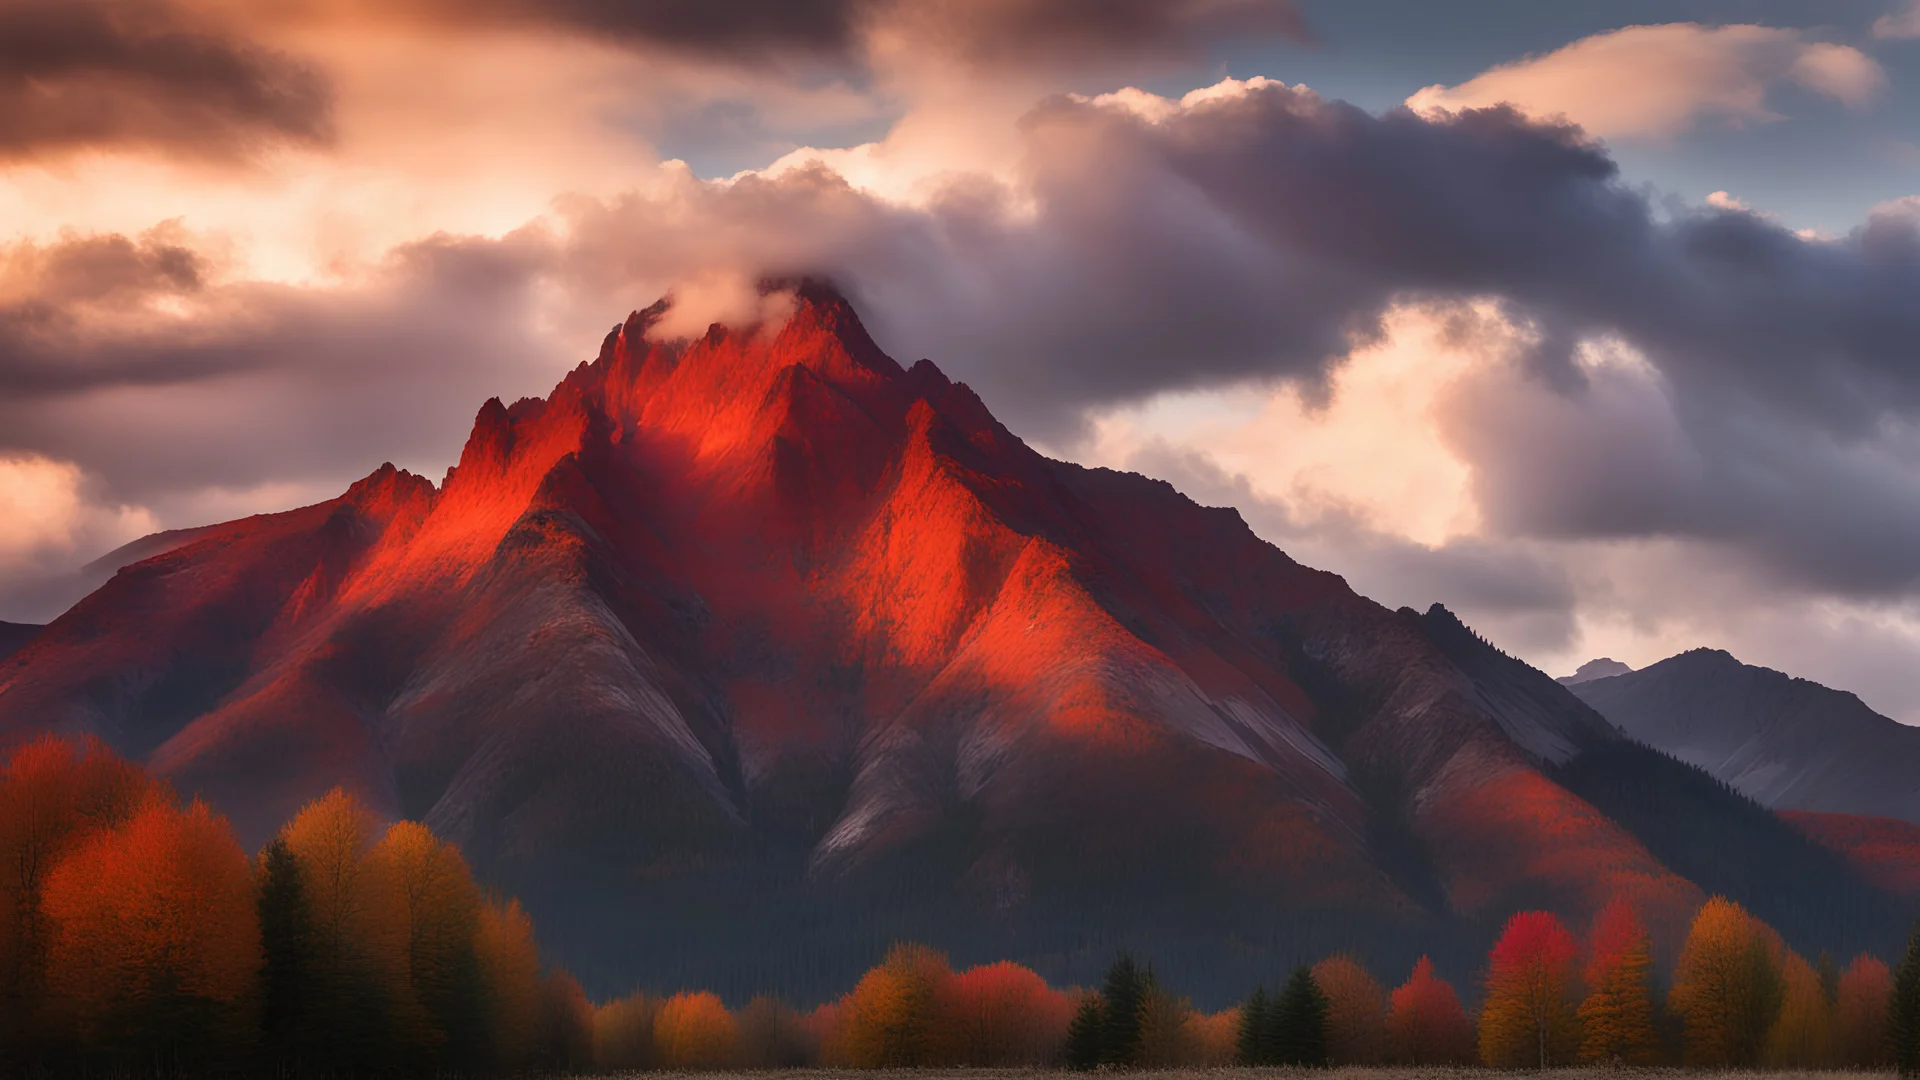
(1659, 81)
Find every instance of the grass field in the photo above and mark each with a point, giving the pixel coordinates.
(1392, 1073)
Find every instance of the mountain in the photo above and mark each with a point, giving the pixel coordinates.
(1789, 743)
(14, 637)
(1595, 669)
(739, 657)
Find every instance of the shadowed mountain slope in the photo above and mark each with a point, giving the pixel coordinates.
(14, 637)
(1788, 743)
(740, 656)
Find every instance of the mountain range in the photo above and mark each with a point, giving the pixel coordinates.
(738, 656)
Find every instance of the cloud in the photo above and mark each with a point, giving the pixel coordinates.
(51, 512)
(1660, 81)
(1901, 24)
(144, 73)
(986, 31)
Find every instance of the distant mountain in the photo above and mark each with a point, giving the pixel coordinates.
(1789, 743)
(739, 657)
(1594, 669)
(14, 636)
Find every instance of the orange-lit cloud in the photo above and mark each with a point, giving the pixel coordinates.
(1661, 80)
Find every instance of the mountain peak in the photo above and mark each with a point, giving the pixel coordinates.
(1603, 668)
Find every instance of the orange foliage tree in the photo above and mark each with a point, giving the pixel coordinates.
(1003, 1014)
(1216, 1038)
(1861, 1005)
(53, 795)
(1425, 1023)
(1616, 1019)
(509, 962)
(1726, 986)
(564, 1024)
(695, 1031)
(1528, 1018)
(773, 1035)
(1802, 1033)
(154, 947)
(1356, 1011)
(623, 1033)
(892, 1017)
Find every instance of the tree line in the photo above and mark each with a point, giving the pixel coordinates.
(138, 937)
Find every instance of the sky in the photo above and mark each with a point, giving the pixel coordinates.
(1598, 323)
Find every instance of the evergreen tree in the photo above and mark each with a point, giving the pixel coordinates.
(1086, 1035)
(1299, 1022)
(286, 940)
(1254, 1043)
(1903, 1019)
(1122, 997)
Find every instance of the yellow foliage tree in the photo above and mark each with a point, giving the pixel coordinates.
(1356, 1011)
(695, 1031)
(154, 950)
(439, 910)
(1726, 986)
(1616, 1019)
(1802, 1034)
(1167, 1036)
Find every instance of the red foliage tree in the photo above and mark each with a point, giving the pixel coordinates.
(1616, 1019)
(1528, 1018)
(1425, 1023)
(1860, 1014)
(1004, 1014)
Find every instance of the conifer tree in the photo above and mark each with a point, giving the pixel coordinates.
(1903, 1016)
(1300, 1022)
(286, 941)
(1254, 1044)
(1122, 997)
(1086, 1035)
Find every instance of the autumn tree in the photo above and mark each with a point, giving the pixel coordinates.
(1356, 1011)
(1726, 986)
(1425, 1023)
(891, 1017)
(694, 1030)
(1216, 1038)
(773, 1035)
(153, 944)
(54, 794)
(1861, 999)
(509, 961)
(358, 934)
(1903, 1010)
(439, 909)
(1528, 1018)
(1801, 1035)
(1616, 1019)
(1004, 1014)
(623, 1034)
(564, 1024)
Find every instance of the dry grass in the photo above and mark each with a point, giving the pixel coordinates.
(1384, 1073)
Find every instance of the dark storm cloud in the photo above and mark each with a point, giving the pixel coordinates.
(986, 30)
(77, 73)
(1252, 234)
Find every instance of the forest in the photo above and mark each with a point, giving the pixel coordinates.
(137, 937)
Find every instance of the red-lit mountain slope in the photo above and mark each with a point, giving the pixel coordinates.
(767, 599)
